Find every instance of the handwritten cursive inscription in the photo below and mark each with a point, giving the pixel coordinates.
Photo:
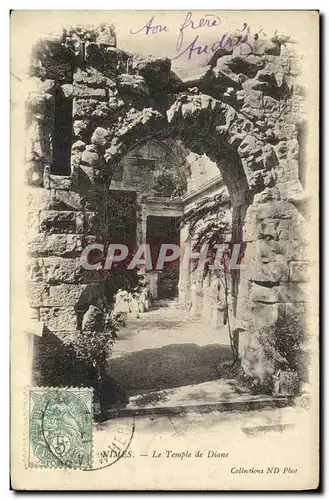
(225, 41)
(150, 29)
(208, 21)
(240, 38)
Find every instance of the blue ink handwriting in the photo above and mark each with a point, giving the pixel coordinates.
(225, 41)
(208, 21)
(150, 29)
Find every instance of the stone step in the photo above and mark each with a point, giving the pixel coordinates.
(223, 406)
(216, 395)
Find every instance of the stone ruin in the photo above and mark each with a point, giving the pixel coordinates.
(94, 102)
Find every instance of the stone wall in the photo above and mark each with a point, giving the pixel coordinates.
(63, 219)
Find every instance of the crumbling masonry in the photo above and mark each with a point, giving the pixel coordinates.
(243, 112)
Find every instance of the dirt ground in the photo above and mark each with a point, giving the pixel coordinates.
(163, 348)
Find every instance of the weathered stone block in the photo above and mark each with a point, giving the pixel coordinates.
(292, 292)
(37, 294)
(293, 230)
(253, 98)
(79, 223)
(133, 85)
(83, 91)
(60, 182)
(64, 295)
(75, 161)
(246, 64)
(274, 210)
(268, 194)
(250, 232)
(34, 270)
(255, 361)
(292, 191)
(284, 129)
(299, 271)
(265, 251)
(287, 170)
(264, 294)
(59, 318)
(250, 146)
(39, 102)
(61, 245)
(265, 261)
(150, 66)
(43, 245)
(33, 221)
(267, 229)
(83, 108)
(52, 221)
(272, 272)
(253, 113)
(58, 270)
(65, 200)
(95, 55)
(284, 293)
(92, 77)
(38, 198)
(293, 149)
(260, 314)
(270, 159)
(269, 102)
(87, 108)
(255, 162)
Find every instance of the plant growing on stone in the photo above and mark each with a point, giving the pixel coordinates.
(92, 344)
(208, 224)
(94, 347)
(285, 339)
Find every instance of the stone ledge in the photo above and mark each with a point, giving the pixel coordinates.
(250, 403)
(214, 395)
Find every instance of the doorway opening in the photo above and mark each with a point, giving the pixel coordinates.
(163, 230)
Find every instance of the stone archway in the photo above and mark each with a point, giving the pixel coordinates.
(241, 111)
(249, 170)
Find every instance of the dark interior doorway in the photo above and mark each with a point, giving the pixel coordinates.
(164, 230)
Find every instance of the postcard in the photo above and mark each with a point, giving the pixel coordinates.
(165, 250)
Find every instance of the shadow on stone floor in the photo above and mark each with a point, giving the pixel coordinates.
(167, 367)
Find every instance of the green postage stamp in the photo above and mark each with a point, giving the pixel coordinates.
(60, 427)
